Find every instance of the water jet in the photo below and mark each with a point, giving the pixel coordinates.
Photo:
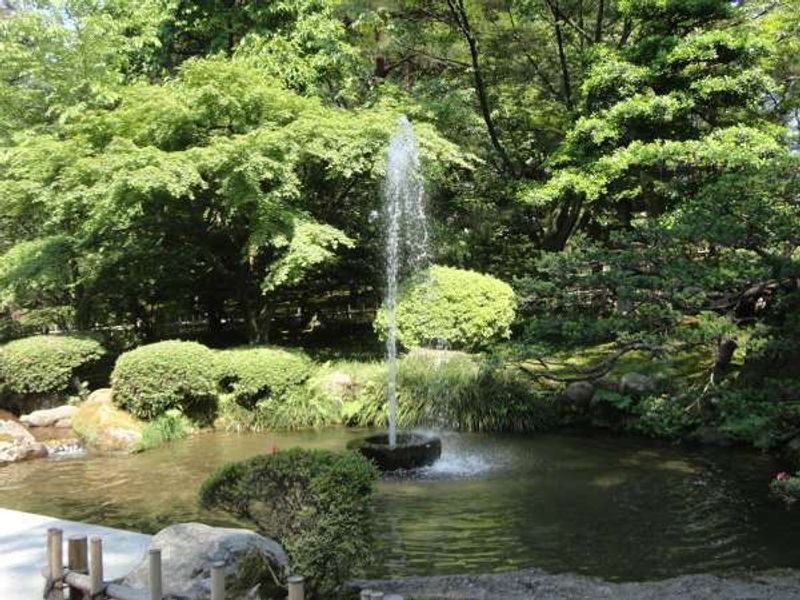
(406, 254)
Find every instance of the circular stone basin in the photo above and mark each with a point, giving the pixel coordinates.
(411, 452)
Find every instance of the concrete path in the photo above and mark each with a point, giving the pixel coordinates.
(23, 544)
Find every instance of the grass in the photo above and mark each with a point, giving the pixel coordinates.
(170, 426)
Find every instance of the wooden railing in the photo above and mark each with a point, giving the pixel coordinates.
(83, 575)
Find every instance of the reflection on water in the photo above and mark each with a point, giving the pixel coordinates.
(614, 507)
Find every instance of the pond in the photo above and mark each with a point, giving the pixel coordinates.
(615, 507)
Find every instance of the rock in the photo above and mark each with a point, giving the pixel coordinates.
(337, 383)
(63, 423)
(637, 384)
(49, 417)
(189, 549)
(580, 393)
(17, 443)
(101, 395)
(102, 426)
(63, 446)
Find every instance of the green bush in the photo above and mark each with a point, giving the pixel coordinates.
(316, 503)
(46, 364)
(466, 309)
(266, 389)
(155, 378)
(170, 426)
(786, 487)
(454, 390)
(258, 373)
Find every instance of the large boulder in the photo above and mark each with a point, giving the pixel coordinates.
(189, 549)
(638, 384)
(61, 416)
(580, 393)
(104, 427)
(337, 384)
(17, 443)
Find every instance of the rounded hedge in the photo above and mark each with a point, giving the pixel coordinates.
(468, 310)
(45, 364)
(316, 503)
(266, 388)
(152, 379)
(256, 373)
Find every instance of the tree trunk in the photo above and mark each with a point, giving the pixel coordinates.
(566, 87)
(459, 13)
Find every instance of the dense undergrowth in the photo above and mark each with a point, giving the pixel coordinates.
(176, 387)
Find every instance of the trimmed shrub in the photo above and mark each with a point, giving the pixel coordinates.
(466, 309)
(316, 503)
(266, 389)
(46, 364)
(254, 374)
(155, 378)
(453, 390)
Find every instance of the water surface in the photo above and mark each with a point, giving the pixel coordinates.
(619, 508)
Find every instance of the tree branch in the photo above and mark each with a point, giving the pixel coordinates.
(459, 13)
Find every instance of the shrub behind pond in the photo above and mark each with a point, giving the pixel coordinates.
(155, 378)
(450, 389)
(466, 309)
(46, 364)
(316, 503)
(265, 388)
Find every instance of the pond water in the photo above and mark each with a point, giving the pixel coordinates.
(614, 507)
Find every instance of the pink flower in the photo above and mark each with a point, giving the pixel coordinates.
(782, 476)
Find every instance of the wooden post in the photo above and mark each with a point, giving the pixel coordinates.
(55, 562)
(296, 588)
(155, 574)
(218, 581)
(77, 561)
(95, 565)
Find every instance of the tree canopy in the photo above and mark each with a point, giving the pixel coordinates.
(626, 164)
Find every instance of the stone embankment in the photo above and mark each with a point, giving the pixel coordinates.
(533, 584)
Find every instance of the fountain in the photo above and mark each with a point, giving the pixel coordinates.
(406, 253)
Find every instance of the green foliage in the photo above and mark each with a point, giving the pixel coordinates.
(453, 390)
(267, 389)
(34, 277)
(253, 374)
(155, 378)
(316, 503)
(755, 416)
(168, 427)
(664, 416)
(46, 364)
(465, 309)
(786, 487)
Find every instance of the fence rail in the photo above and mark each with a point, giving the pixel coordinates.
(82, 578)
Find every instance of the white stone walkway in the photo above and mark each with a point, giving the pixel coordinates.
(23, 543)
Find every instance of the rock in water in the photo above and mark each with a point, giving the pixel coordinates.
(17, 443)
(50, 417)
(105, 427)
(189, 549)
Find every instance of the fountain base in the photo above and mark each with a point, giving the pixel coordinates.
(412, 450)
